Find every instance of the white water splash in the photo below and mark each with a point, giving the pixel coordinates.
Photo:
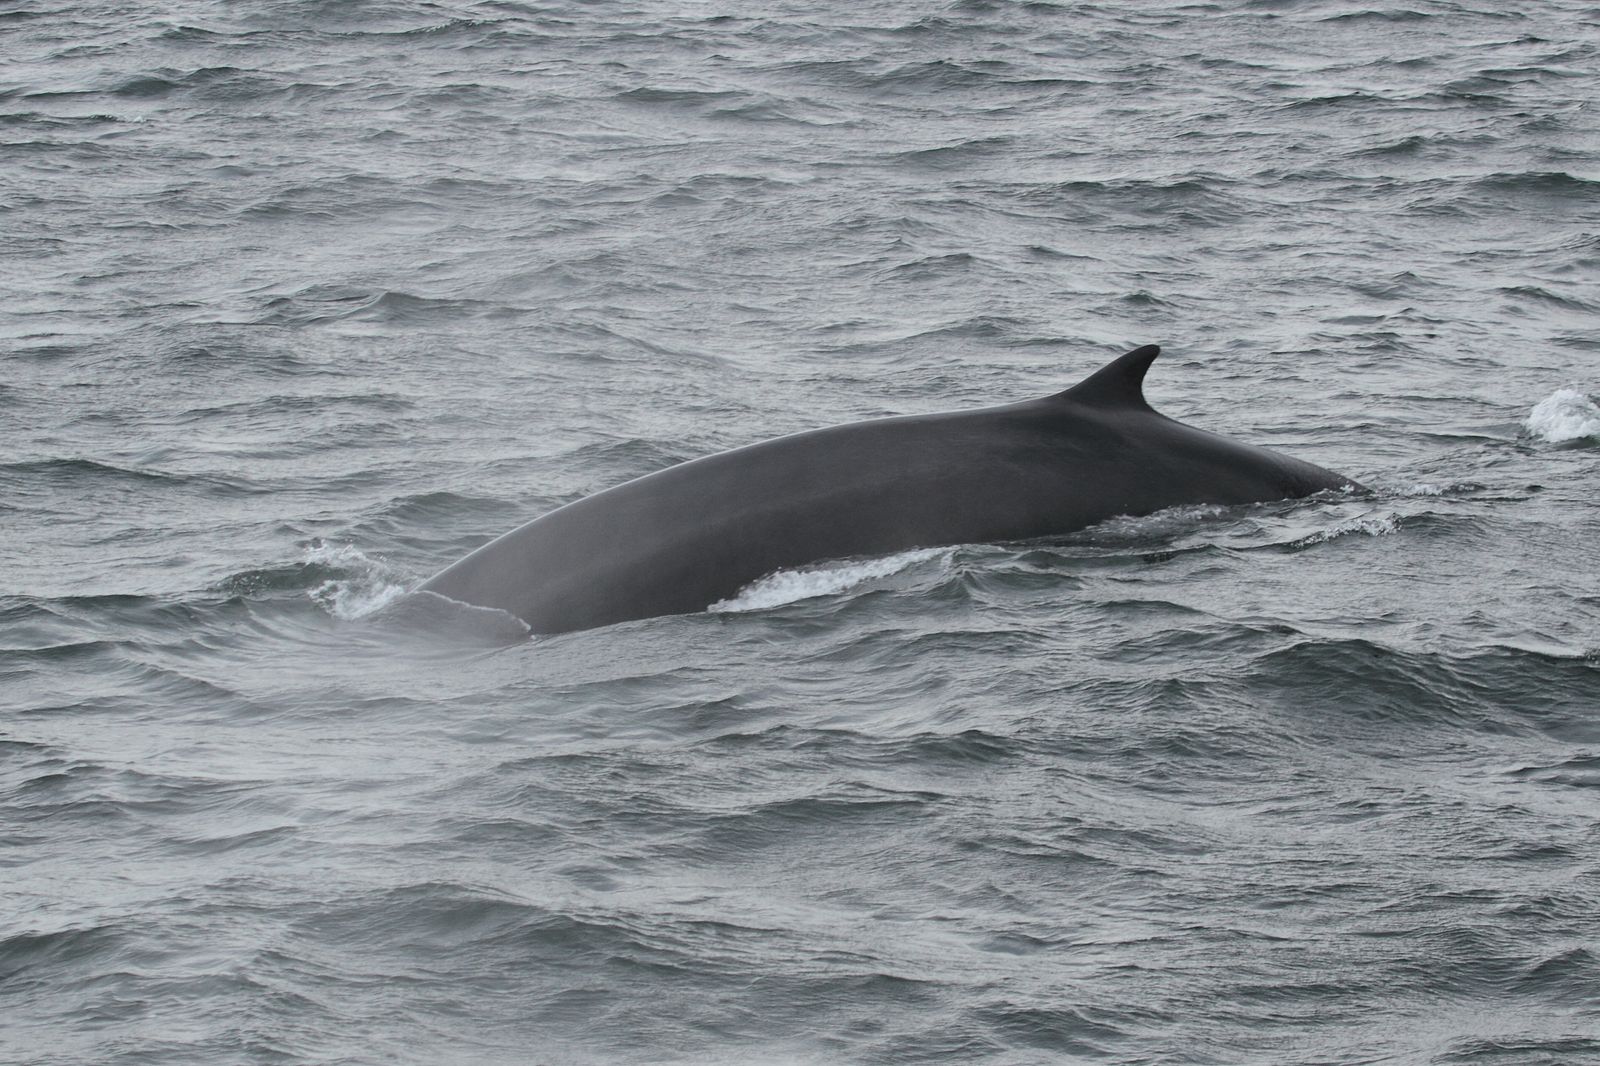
(1564, 415)
(365, 584)
(788, 586)
(1163, 523)
(1373, 525)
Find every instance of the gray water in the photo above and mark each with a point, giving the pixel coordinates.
(302, 301)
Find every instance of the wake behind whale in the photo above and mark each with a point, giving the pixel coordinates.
(695, 534)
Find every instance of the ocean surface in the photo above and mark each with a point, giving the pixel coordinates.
(300, 302)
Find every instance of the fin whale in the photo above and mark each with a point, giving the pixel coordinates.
(683, 538)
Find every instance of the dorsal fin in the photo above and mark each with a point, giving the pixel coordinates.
(1120, 383)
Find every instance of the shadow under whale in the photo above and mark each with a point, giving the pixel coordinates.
(683, 538)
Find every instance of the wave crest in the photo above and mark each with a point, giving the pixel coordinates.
(1565, 415)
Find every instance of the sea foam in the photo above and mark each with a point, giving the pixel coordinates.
(1564, 415)
(364, 584)
(788, 586)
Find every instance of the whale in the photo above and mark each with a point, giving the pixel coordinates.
(686, 537)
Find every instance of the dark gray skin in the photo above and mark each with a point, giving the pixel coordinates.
(688, 536)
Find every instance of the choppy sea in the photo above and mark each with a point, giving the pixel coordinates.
(300, 301)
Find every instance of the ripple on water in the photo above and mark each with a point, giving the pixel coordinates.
(305, 303)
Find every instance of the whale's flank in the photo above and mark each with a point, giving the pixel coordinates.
(695, 534)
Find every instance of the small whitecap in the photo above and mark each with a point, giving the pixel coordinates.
(1373, 525)
(365, 585)
(1564, 415)
(789, 586)
(1163, 523)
